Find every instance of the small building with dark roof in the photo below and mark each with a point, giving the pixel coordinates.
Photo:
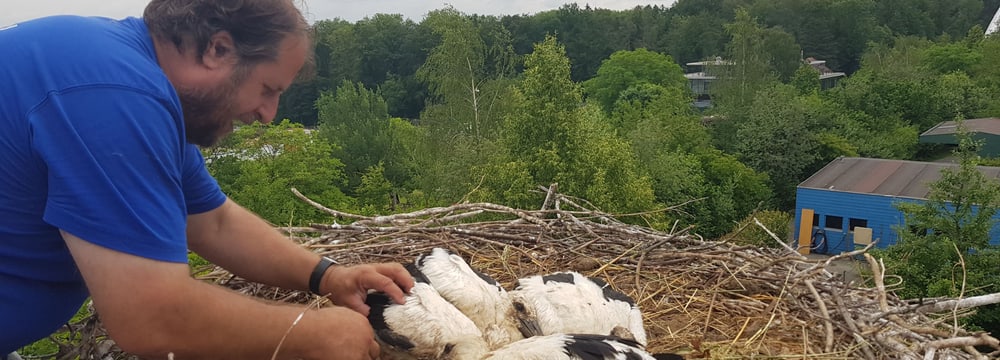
(986, 130)
(827, 78)
(706, 72)
(701, 81)
(851, 193)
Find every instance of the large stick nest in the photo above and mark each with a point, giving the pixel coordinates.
(700, 298)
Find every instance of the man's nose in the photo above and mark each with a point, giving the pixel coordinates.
(268, 110)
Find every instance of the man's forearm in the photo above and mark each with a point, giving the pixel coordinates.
(246, 245)
(242, 243)
(214, 323)
(153, 308)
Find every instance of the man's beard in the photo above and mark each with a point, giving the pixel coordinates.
(208, 114)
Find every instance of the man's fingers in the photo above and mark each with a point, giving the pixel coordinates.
(363, 309)
(397, 273)
(381, 283)
(390, 278)
(358, 305)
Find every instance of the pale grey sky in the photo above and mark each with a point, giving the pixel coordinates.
(351, 10)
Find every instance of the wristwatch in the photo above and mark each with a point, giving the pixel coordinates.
(317, 274)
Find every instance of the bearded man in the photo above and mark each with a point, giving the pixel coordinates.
(103, 189)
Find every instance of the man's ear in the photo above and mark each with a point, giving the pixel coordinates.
(220, 51)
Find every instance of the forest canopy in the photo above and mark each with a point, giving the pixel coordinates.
(461, 106)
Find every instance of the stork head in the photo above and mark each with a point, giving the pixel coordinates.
(524, 315)
(465, 348)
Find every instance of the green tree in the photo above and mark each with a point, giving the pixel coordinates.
(655, 118)
(961, 205)
(469, 74)
(955, 220)
(888, 137)
(902, 83)
(734, 191)
(806, 80)
(837, 31)
(748, 233)
(562, 142)
(391, 50)
(374, 192)
(389, 45)
(906, 17)
(785, 56)
(337, 57)
(297, 102)
(409, 156)
(548, 100)
(651, 25)
(776, 138)
(625, 69)
(675, 150)
(950, 57)
(955, 17)
(986, 74)
(356, 121)
(747, 68)
(959, 96)
(696, 37)
(590, 35)
(258, 164)
(456, 72)
(338, 51)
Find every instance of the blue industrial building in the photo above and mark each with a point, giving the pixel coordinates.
(851, 194)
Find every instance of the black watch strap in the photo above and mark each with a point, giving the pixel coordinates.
(317, 274)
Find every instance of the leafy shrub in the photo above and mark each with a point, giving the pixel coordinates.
(748, 233)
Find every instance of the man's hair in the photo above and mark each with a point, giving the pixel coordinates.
(257, 26)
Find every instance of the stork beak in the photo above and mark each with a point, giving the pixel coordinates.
(529, 328)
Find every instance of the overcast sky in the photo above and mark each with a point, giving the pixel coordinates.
(351, 10)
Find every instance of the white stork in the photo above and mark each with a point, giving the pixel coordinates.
(568, 302)
(425, 326)
(575, 347)
(502, 318)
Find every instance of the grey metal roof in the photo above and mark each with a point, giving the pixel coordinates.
(717, 61)
(699, 76)
(899, 178)
(831, 75)
(986, 125)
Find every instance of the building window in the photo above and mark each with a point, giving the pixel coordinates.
(853, 223)
(834, 222)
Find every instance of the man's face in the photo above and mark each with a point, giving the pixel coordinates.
(248, 95)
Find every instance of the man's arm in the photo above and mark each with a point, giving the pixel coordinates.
(152, 308)
(241, 242)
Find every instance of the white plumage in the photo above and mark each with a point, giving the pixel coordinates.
(499, 316)
(575, 347)
(427, 325)
(454, 312)
(568, 302)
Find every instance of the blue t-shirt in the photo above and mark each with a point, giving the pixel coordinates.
(91, 142)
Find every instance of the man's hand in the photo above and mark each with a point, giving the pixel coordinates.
(349, 285)
(336, 333)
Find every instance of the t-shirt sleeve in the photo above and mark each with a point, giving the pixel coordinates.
(116, 169)
(201, 190)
